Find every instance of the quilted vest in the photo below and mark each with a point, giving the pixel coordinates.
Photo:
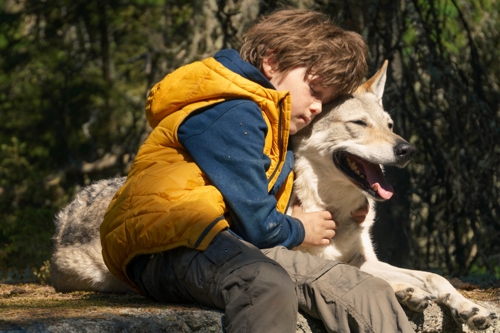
(167, 201)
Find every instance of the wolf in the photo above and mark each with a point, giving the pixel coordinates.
(339, 162)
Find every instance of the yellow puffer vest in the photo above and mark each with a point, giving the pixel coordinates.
(167, 200)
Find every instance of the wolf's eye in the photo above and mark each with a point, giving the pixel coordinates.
(390, 125)
(359, 122)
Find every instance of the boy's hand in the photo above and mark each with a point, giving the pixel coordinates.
(319, 226)
(359, 214)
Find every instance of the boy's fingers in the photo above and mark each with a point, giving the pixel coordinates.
(363, 210)
(359, 214)
(331, 225)
(329, 234)
(359, 219)
(325, 242)
(327, 215)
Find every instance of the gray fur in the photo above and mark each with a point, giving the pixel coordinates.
(77, 262)
(86, 212)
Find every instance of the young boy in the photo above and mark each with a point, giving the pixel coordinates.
(201, 216)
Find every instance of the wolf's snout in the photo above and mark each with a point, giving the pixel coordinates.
(404, 151)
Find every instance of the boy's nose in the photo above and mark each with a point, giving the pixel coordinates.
(316, 107)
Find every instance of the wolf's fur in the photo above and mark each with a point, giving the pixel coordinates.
(356, 125)
(77, 262)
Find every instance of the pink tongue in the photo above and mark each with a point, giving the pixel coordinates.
(377, 181)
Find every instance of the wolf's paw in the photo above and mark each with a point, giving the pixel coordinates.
(475, 316)
(414, 298)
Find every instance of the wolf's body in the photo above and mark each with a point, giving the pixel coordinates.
(337, 169)
(77, 262)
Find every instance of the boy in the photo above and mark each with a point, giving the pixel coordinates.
(201, 216)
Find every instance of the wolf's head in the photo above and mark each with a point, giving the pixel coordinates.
(352, 140)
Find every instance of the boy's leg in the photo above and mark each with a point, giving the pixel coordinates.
(343, 297)
(256, 293)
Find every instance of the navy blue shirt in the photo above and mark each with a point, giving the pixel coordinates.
(226, 141)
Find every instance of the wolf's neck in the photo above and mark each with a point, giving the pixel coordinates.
(324, 190)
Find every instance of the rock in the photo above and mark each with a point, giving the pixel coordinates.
(40, 310)
(437, 319)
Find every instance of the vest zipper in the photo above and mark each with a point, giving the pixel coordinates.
(280, 140)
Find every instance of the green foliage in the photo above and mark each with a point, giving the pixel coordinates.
(73, 82)
(29, 233)
(480, 275)
(74, 76)
(26, 207)
(42, 274)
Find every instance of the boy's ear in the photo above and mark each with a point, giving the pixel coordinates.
(268, 66)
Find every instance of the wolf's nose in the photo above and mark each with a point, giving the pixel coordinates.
(404, 150)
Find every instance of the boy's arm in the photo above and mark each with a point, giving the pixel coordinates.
(227, 141)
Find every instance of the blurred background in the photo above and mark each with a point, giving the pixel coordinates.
(74, 76)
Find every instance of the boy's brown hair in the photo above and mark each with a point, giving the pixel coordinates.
(294, 38)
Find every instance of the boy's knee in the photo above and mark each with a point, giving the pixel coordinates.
(273, 278)
(260, 297)
(266, 281)
(349, 296)
(379, 284)
(377, 287)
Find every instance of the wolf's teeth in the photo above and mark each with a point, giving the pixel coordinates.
(354, 167)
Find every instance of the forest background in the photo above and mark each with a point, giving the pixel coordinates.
(74, 76)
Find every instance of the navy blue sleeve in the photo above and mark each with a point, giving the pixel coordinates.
(226, 141)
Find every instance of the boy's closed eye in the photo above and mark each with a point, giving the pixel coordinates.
(323, 94)
(314, 92)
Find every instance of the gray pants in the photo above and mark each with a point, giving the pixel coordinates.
(261, 290)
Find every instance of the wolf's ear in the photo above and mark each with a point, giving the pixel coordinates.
(376, 83)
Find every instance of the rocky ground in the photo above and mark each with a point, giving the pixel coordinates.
(37, 308)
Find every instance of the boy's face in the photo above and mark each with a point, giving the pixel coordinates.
(306, 94)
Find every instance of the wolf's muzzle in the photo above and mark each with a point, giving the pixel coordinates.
(403, 152)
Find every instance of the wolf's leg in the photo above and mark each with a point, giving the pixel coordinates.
(407, 293)
(412, 285)
(412, 297)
